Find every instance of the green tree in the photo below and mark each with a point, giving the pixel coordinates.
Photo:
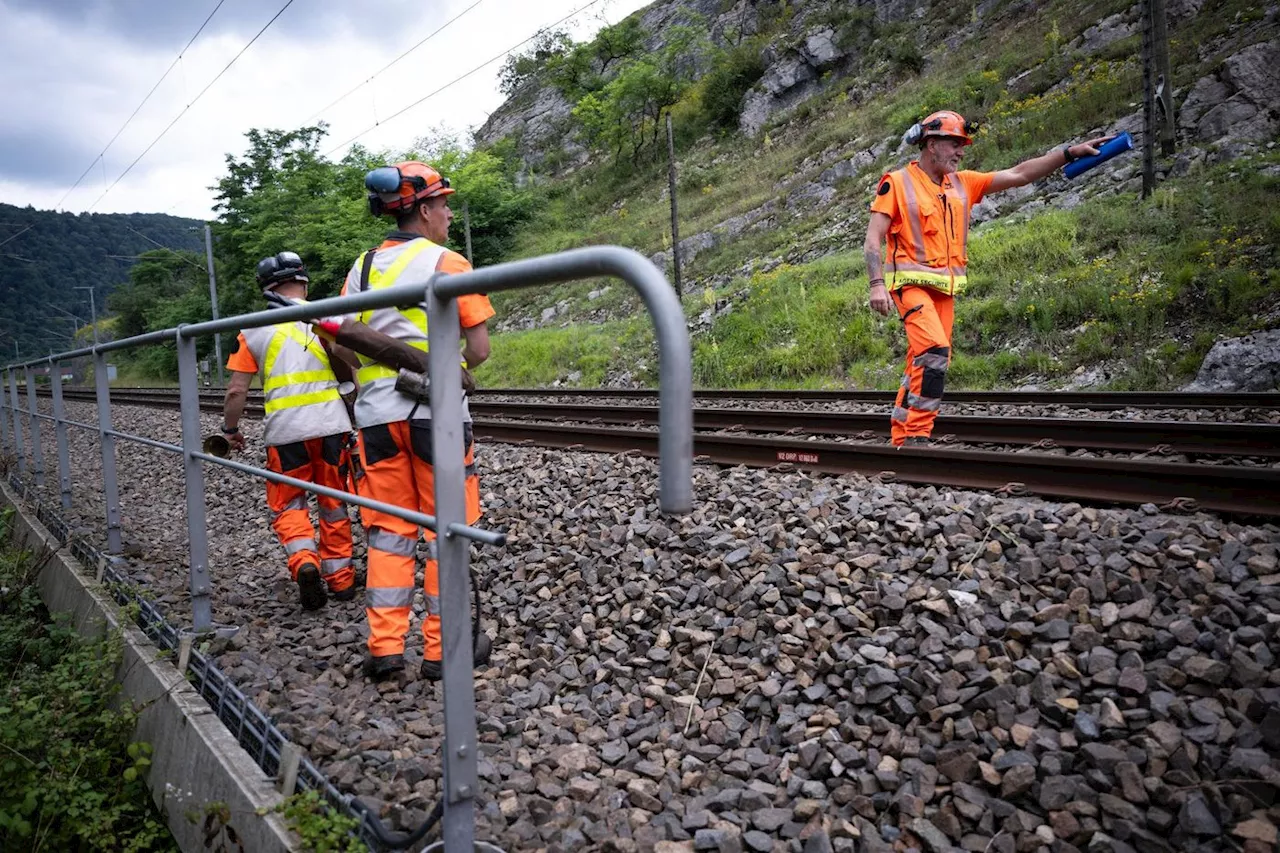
(620, 41)
(486, 184)
(283, 195)
(519, 68)
(47, 254)
(158, 277)
(165, 289)
(733, 72)
(626, 115)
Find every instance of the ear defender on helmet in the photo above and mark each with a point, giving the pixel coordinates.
(944, 123)
(407, 183)
(916, 133)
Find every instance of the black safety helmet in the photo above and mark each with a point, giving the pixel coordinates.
(278, 269)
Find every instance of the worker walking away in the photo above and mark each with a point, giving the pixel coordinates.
(922, 212)
(306, 432)
(395, 427)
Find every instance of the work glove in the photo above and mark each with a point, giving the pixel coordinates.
(468, 381)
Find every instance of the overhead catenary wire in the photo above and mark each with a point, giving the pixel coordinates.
(16, 236)
(181, 256)
(194, 101)
(371, 77)
(138, 108)
(462, 77)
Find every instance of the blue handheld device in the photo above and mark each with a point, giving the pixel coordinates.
(1121, 143)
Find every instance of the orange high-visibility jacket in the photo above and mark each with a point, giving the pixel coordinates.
(929, 231)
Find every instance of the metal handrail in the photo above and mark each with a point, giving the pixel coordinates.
(438, 296)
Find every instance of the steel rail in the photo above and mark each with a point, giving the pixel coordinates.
(1222, 488)
(1128, 436)
(1140, 436)
(1076, 399)
(1101, 400)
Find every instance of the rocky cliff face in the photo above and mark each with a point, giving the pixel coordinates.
(800, 62)
(1239, 102)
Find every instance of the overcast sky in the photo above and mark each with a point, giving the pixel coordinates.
(72, 71)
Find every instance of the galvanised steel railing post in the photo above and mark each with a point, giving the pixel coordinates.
(197, 532)
(459, 752)
(60, 430)
(107, 443)
(675, 468)
(18, 450)
(37, 452)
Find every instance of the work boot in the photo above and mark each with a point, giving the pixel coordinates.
(311, 587)
(917, 441)
(378, 667)
(432, 670)
(344, 594)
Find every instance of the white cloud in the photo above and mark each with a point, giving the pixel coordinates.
(62, 105)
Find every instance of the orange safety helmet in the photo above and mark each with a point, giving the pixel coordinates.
(942, 123)
(393, 189)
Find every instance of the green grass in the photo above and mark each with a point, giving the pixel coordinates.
(542, 356)
(1147, 284)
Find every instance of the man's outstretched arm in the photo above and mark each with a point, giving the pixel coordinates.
(1029, 171)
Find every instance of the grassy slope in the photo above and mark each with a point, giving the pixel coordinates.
(1145, 286)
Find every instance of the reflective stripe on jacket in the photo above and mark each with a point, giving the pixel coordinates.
(930, 246)
(411, 261)
(300, 391)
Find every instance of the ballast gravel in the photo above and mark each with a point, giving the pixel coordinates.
(802, 663)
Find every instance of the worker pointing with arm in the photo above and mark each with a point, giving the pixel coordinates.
(395, 426)
(306, 432)
(922, 212)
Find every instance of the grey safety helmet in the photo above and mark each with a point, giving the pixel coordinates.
(277, 269)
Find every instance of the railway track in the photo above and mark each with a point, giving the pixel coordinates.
(1100, 400)
(1250, 490)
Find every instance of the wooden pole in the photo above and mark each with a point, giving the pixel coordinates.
(1164, 78)
(675, 220)
(1148, 100)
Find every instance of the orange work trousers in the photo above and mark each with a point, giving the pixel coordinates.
(397, 461)
(927, 315)
(322, 461)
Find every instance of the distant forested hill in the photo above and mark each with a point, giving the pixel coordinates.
(40, 268)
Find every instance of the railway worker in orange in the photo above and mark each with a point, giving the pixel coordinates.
(922, 212)
(395, 428)
(306, 433)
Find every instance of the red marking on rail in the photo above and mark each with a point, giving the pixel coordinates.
(797, 456)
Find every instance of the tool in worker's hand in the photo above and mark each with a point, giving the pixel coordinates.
(217, 445)
(1116, 145)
